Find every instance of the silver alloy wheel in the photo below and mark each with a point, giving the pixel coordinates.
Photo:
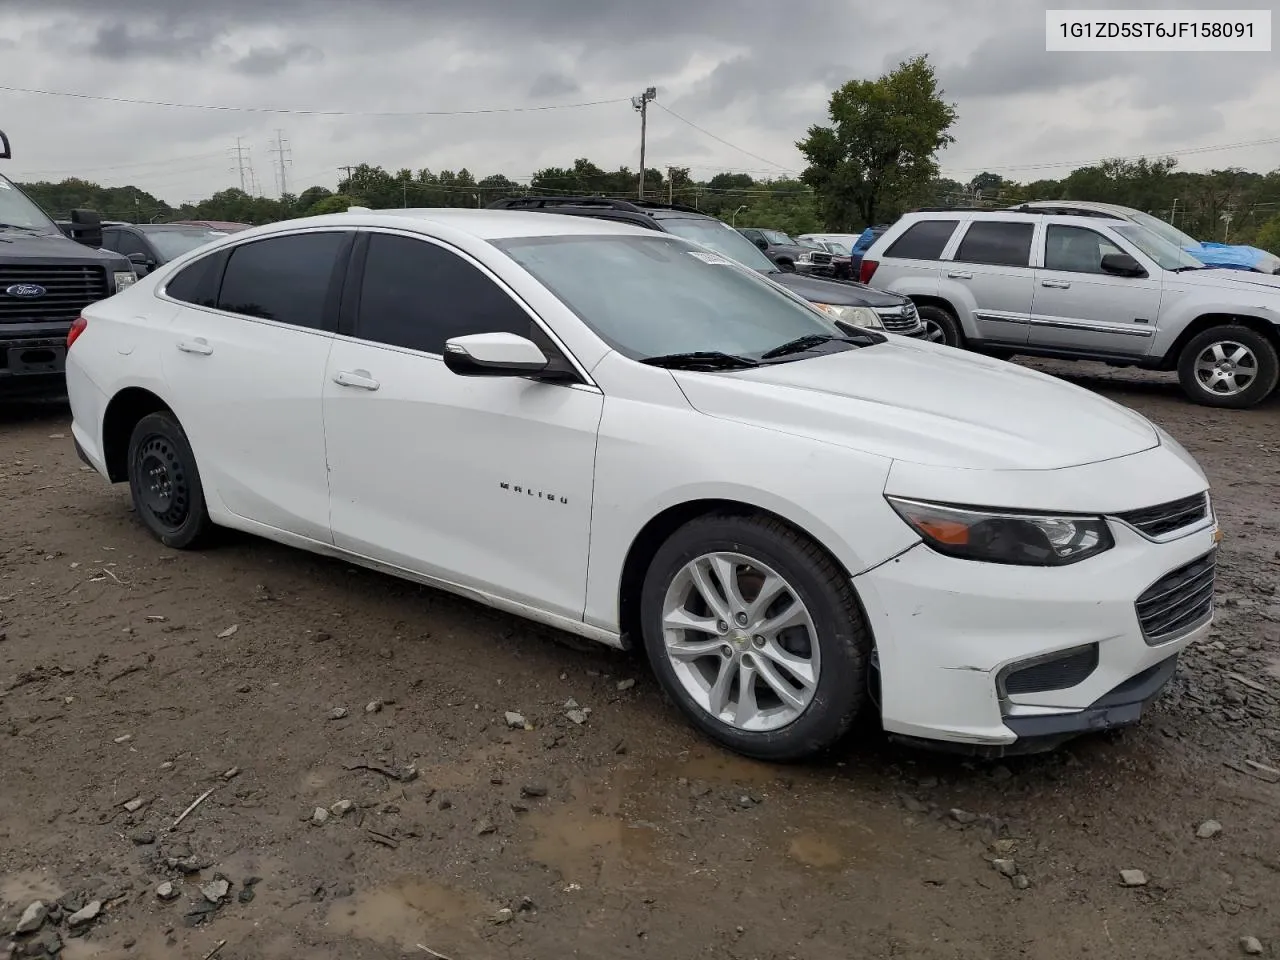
(741, 642)
(1226, 368)
(933, 332)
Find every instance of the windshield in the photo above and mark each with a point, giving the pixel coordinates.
(174, 243)
(1168, 255)
(839, 249)
(655, 296)
(777, 237)
(18, 210)
(1166, 231)
(722, 238)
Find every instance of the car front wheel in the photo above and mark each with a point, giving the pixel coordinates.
(1229, 366)
(757, 635)
(164, 482)
(940, 326)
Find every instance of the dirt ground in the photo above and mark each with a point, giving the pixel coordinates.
(286, 683)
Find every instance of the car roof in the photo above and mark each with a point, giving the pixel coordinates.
(482, 224)
(1077, 204)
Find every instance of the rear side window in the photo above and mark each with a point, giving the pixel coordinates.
(418, 295)
(284, 278)
(997, 243)
(198, 283)
(924, 240)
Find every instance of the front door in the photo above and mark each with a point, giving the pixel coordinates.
(1080, 307)
(484, 482)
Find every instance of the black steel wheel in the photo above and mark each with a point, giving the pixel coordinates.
(165, 483)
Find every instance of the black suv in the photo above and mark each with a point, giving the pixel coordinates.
(46, 279)
(785, 252)
(848, 303)
(149, 245)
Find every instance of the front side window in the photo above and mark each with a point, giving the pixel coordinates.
(126, 242)
(286, 279)
(778, 238)
(997, 243)
(418, 295)
(656, 296)
(1076, 249)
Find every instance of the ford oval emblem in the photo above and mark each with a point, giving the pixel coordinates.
(26, 291)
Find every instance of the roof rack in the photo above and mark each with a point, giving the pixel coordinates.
(611, 203)
(1064, 208)
(5, 152)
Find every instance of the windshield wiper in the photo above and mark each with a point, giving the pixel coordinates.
(1186, 268)
(811, 340)
(700, 360)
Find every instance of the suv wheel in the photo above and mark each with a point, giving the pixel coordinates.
(164, 482)
(1229, 366)
(757, 635)
(940, 326)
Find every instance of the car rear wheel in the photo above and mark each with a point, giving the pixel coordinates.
(940, 326)
(164, 482)
(757, 635)
(1229, 366)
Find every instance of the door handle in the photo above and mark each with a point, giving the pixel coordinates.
(356, 378)
(199, 345)
(960, 275)
(1056, 284)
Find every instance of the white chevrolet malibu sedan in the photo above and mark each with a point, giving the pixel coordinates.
(626, 436)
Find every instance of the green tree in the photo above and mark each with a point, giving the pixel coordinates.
(1268, 237)
(881, 148)
(333, 203)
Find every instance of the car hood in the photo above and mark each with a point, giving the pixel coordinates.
(816, 290)
(18, 245)
(922, 403)
(1226, 279)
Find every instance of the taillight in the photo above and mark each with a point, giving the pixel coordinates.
(867, 270)
(77, 328)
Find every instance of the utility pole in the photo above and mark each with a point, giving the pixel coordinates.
(347, 171)
(671, 187)
(240, 154)
(641, 103)
(283, 155)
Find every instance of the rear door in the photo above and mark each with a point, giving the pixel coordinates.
(992, 266)
(246, 356)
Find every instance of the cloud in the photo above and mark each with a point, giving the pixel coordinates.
(750, 76)
(547, 86)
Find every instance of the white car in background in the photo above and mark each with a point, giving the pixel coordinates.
(630, 437)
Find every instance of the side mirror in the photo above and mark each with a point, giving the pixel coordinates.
(1122, 265)
(141, 261)
(494, 355)
(762, 244)
(86, 228)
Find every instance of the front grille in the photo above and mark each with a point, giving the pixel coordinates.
(1168, 517)
(1059, 671)
(822, 258)
(1178, 602)
(896, 319)
(68, 290)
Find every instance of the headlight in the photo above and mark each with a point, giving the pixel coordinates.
(997, 536)
(125, 278)
(858, 316)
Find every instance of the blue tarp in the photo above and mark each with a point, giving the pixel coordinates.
(1228, 256)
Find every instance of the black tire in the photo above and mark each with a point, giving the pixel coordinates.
(944, 321)
(169, 503)
(817, 581)
(1266, 365)
(786, 266)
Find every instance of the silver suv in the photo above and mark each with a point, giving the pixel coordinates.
(1081, 288)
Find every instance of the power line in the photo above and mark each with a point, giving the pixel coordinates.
(284, 155)
(713, 136)
(137, 101)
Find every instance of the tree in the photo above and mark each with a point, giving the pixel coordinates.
(881, 148)
(1269, 236)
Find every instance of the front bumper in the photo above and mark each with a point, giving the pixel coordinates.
(949, 632)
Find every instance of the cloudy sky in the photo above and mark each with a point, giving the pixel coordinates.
(752, 74)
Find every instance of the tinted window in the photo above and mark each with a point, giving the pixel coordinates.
(997, 242)
(283, 278)
(127, 242)
(1076, 249)
(924, 240)
(198, 282)
(418, 295)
